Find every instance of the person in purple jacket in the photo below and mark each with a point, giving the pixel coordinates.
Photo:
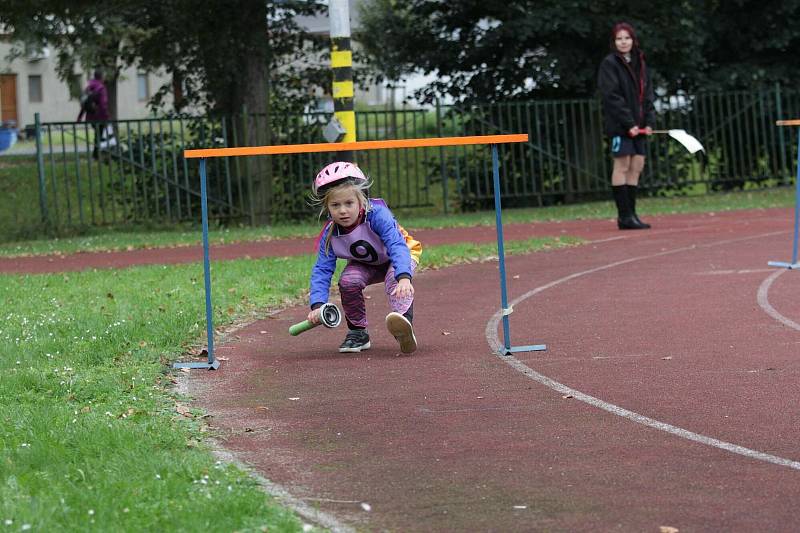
(362, 231)
(94, 108)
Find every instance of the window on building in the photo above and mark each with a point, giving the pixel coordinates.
(142, 87)
(74, 86)
(35, 88)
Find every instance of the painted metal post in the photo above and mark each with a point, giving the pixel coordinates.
(213, 363)
(793, 265)
(796, 204)
(441, 156)
(342, 66)
(781, 137)
(206, 263)
(501, 250)
(245, 141)
(501, 255)
(40, 168)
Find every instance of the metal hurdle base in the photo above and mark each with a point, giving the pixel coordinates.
(529, 348)
(208, 366)
(790, 266)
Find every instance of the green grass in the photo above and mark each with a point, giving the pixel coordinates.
(100, 240)
(19, 194)
(190, 235)
(91, 437)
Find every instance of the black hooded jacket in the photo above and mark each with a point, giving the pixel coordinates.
(626, 103)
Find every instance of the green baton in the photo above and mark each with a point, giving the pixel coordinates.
(330, 315)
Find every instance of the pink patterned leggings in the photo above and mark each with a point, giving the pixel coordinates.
(355, 278)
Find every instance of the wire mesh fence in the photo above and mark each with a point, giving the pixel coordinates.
(133, 171)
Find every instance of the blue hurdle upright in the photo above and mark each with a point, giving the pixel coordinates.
(793, 264)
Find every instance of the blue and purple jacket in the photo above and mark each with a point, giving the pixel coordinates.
(401, 249)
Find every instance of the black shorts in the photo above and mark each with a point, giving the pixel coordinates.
(625, 146)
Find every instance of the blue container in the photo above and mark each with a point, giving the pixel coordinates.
(7, 138)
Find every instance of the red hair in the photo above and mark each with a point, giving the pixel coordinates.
(618, 27)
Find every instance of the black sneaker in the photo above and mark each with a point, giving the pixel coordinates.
(355, 341)
(402, 330)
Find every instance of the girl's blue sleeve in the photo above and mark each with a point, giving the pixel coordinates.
(383, 223)
(321, 275)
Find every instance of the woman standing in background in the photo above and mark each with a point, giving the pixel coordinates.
(628, 116)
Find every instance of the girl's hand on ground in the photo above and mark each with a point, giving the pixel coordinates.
(404, 289)
(315, 316)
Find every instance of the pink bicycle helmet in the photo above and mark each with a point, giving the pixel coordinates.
(336, 172)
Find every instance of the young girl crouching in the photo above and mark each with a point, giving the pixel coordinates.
(362, 231)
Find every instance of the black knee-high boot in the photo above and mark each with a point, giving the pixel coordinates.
(632, 203)
(625, 219)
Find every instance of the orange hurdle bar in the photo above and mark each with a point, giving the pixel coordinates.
(361, 145)
(792, 122)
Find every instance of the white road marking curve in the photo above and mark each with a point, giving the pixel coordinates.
(763, 301)
(494, 342)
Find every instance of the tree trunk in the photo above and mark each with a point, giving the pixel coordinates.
(253, 92)
(258, 134)
(111, 88)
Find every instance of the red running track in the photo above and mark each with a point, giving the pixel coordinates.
(668, 395)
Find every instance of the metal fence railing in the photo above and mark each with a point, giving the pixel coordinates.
(141, 176)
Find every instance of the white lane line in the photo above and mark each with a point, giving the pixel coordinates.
(308, 511)
(763, 301)
(279, 492)
(494, 342)
(607, 239)
(644, 420)
(727, 272)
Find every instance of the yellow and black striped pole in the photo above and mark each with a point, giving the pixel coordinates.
(342, 66)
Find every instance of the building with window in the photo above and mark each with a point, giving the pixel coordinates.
(30, 84)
